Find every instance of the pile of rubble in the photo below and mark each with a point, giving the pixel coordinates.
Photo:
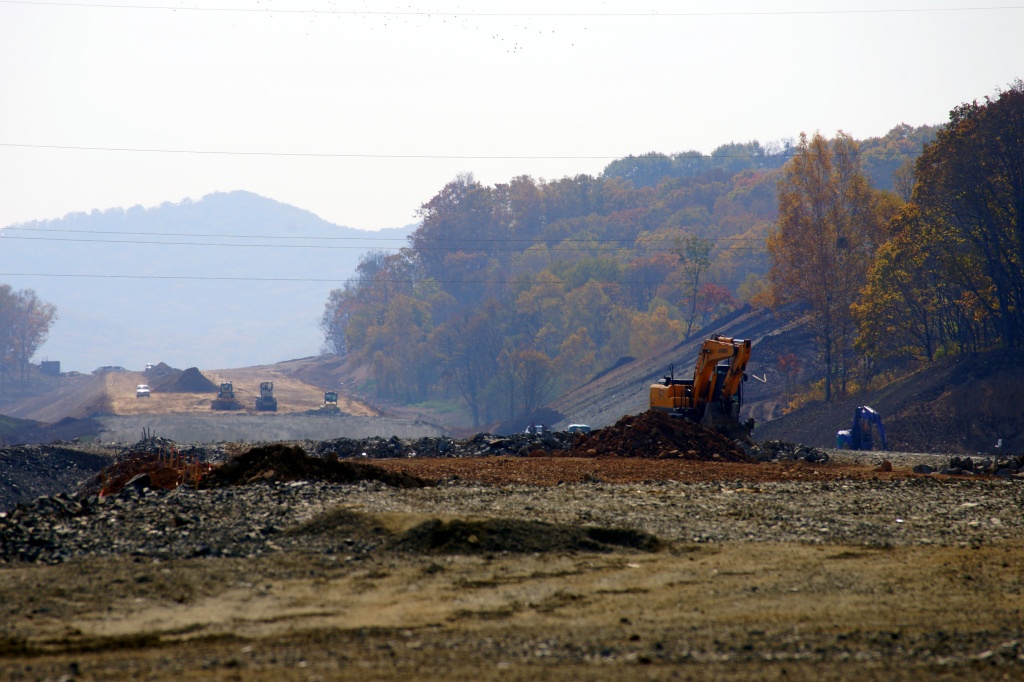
(777, 450)
(1009, 467)
(656, 435)
(480, 445)
(280, 463)
(28, 471)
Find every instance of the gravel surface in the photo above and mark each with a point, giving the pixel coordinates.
(255, 519)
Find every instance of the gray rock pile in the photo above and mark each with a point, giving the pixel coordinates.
(776, 450)
(480, 445)
(1010, 467)
(29, 471)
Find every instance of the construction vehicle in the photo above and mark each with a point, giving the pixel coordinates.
(266, 402)
(859, 435)
(225, 399)
(714, 395)
(330, 402)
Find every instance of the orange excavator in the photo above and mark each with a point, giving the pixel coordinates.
(715, 393)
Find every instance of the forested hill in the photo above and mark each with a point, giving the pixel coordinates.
(509, 294)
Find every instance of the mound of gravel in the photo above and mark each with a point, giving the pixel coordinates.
(518, 536)
(776, 450)
(656, 435)
(31, 471)
(480, 445)
(280, 462)
(475, 536)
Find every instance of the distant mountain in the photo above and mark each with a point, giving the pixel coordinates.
(179, 315)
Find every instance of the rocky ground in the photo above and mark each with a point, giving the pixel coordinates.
(523, 557)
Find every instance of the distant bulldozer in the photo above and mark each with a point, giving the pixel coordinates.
(266, 402)
(225, 399)
(330, 402)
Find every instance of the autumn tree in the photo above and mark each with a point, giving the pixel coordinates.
(830, 224)
(644, 276)
(25, 322)
(970, 189)
(8, 304)
(695, 256)
(789, 367)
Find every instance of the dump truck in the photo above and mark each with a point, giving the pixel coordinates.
(225, 399)
(266, 402)
(714, 394)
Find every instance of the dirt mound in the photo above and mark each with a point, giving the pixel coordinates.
(483, 536)
(279, 462)
(656, 435)
(518, 536)
(192, 381)
(189, 381)
(16, 431)
(29, 471)
(159, 370)
(166, 470)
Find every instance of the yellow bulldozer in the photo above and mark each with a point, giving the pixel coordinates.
(714, 395)
(225, 399)
(331, 403)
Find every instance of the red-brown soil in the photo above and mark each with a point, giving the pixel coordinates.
(556, 470)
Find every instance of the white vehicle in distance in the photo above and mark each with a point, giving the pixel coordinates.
(578, 428)
(142, 391)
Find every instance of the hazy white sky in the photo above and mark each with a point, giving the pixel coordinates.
(361, 111)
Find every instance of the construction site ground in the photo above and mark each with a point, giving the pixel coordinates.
(845, 570)
(851, 569)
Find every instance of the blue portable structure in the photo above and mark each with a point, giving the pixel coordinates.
(859, 436)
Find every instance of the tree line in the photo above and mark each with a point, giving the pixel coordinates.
(24, 325)
(509, 294)
(893, 281)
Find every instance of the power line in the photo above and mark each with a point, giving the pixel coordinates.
(518, 15)
(450, 249)
(442, 157)
(330, 280)
(538, 240)
(434, 157)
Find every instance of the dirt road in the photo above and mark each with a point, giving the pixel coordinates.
(736, 611)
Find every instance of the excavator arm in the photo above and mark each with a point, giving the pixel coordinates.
(708, 384)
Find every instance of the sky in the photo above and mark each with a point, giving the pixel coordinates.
(361, 111)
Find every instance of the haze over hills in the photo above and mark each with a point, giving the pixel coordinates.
(233, 279)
